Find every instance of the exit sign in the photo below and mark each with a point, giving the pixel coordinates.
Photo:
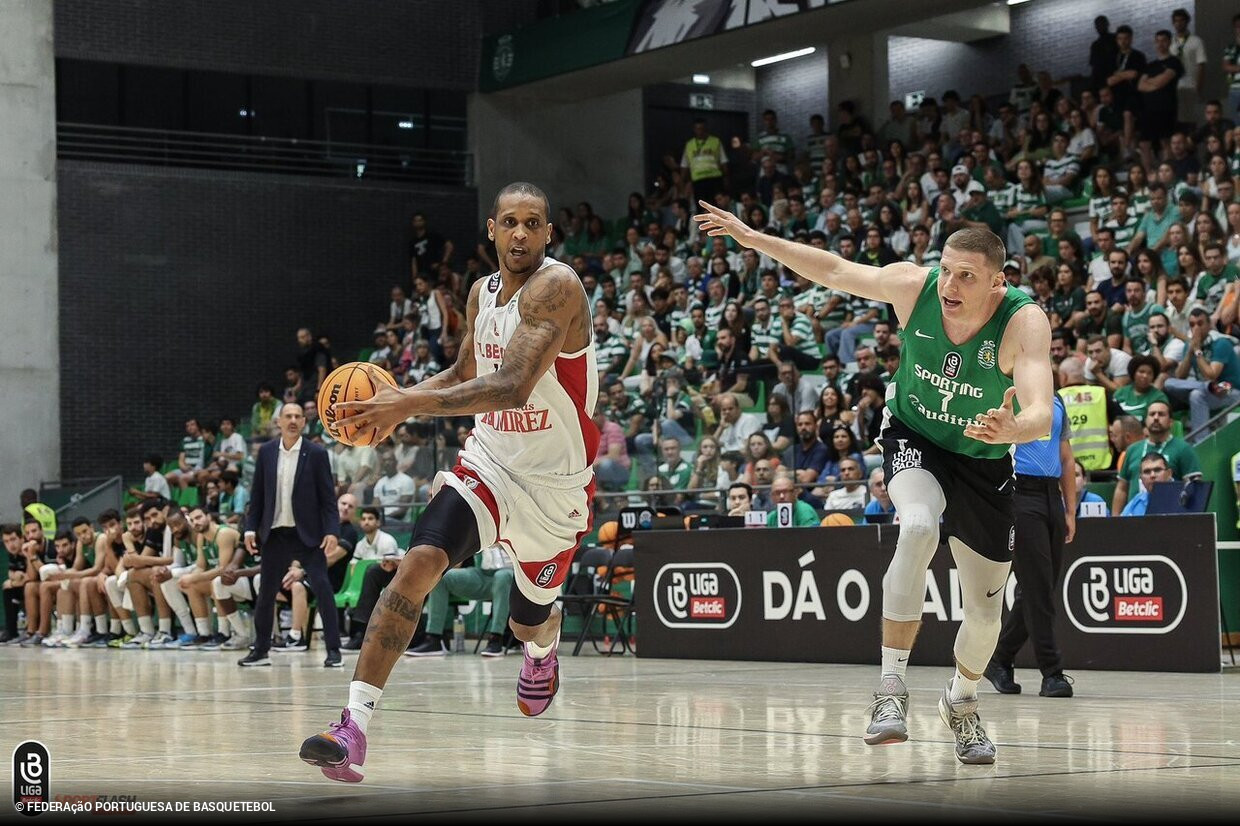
(701, 100)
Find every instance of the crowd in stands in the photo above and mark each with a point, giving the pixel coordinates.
(729, 383)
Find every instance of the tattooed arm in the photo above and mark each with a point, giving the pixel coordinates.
(553, 310)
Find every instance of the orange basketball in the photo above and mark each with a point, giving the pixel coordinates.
(354, 381)
(836, 520)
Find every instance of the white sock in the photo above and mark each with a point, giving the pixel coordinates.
(84, 623)
(540, 652)
(363, 698)
(238, 624)
(202, 626)
(101, 623)
(130, 628)
(962, 688)
(295, 633)
(165, 625)
(66, 625)
(114, 626)
(895, 661)
(147, 625)
(187, 621)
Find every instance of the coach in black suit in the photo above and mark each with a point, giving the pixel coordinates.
(292, 516)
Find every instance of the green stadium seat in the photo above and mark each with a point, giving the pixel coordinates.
(351, 590)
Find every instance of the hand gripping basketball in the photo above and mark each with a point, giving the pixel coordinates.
(382, 412)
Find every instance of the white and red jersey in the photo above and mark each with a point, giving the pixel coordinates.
(554, 433)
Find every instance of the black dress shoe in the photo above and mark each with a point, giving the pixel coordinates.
(333, 660)
(1001, 678)
(1056, 685)
(255, 659)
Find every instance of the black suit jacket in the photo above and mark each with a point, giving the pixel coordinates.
(314, 494)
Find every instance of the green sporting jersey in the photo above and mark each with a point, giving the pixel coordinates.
(211, 550)
(940, 386)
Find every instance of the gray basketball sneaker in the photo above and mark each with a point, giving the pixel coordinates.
(972, 744)
(888, 713)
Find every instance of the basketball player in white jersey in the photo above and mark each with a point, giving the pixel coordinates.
(524, 481)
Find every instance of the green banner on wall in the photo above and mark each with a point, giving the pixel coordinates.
(557, 45)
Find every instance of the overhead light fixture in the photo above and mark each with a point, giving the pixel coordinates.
(785, 56)
(404, 124)
(701, 78)
(1016, 2)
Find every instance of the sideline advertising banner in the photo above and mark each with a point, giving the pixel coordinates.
(1137, 594)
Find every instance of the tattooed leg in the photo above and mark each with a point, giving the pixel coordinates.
(396, 614)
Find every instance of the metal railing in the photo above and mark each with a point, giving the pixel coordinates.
(84, 500)
(247, 153)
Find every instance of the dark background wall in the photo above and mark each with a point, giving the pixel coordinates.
(183, 285)
(419, 42)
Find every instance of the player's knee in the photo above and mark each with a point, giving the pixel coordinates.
(919, 529)
(421, 567)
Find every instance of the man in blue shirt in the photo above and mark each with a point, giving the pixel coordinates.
(1208, 377)
(1045, 479)
(808, 456)
(880, 504)
(1153, 469)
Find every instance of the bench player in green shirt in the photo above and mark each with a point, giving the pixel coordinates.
(973, 346)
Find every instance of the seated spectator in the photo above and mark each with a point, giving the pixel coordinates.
(758, 448)
(784, 491)
(1099, 320)
(374, 581)
(192, 459)
(868, 411)
(740, 496)
(1208, 377)
(798, 392)
(1178, 454)
(155, 486)
(707, 470)
(880, 501)
(1153, 470)
(674, 471)
(400, 307)
(422, 364)
(264, 411)
(1083, 496)
(394, 490)
(490, 579)
(612, 465)
(735, 427)
(843, 445)
(851, 494)
(233, 495)
(229, 450)
(14, 586)
(830, 411)
(356, 468)
(1106, 366)
(1136, 397)
(779, 427)
(808, 456)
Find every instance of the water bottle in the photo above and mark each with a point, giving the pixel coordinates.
(458, 635)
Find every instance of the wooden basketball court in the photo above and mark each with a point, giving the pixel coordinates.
(626, 737)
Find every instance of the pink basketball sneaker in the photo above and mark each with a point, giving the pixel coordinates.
(538, 683)
(339, 752)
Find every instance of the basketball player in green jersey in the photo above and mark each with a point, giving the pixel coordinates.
(972, 347)
(215, 545)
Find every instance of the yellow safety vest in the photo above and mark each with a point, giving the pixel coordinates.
(44, 515)
(703, 158)
(1087, 413)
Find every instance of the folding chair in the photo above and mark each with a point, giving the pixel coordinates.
(582, 586)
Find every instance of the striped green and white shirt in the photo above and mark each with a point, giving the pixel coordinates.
(1139, 201)
(762, 337)
(1027, 201)
(1057, 167)
(1232, 55)
(1003, 199)
(802, 333)
(1123, 232)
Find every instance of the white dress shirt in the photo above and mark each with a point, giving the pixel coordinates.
(286, 471)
